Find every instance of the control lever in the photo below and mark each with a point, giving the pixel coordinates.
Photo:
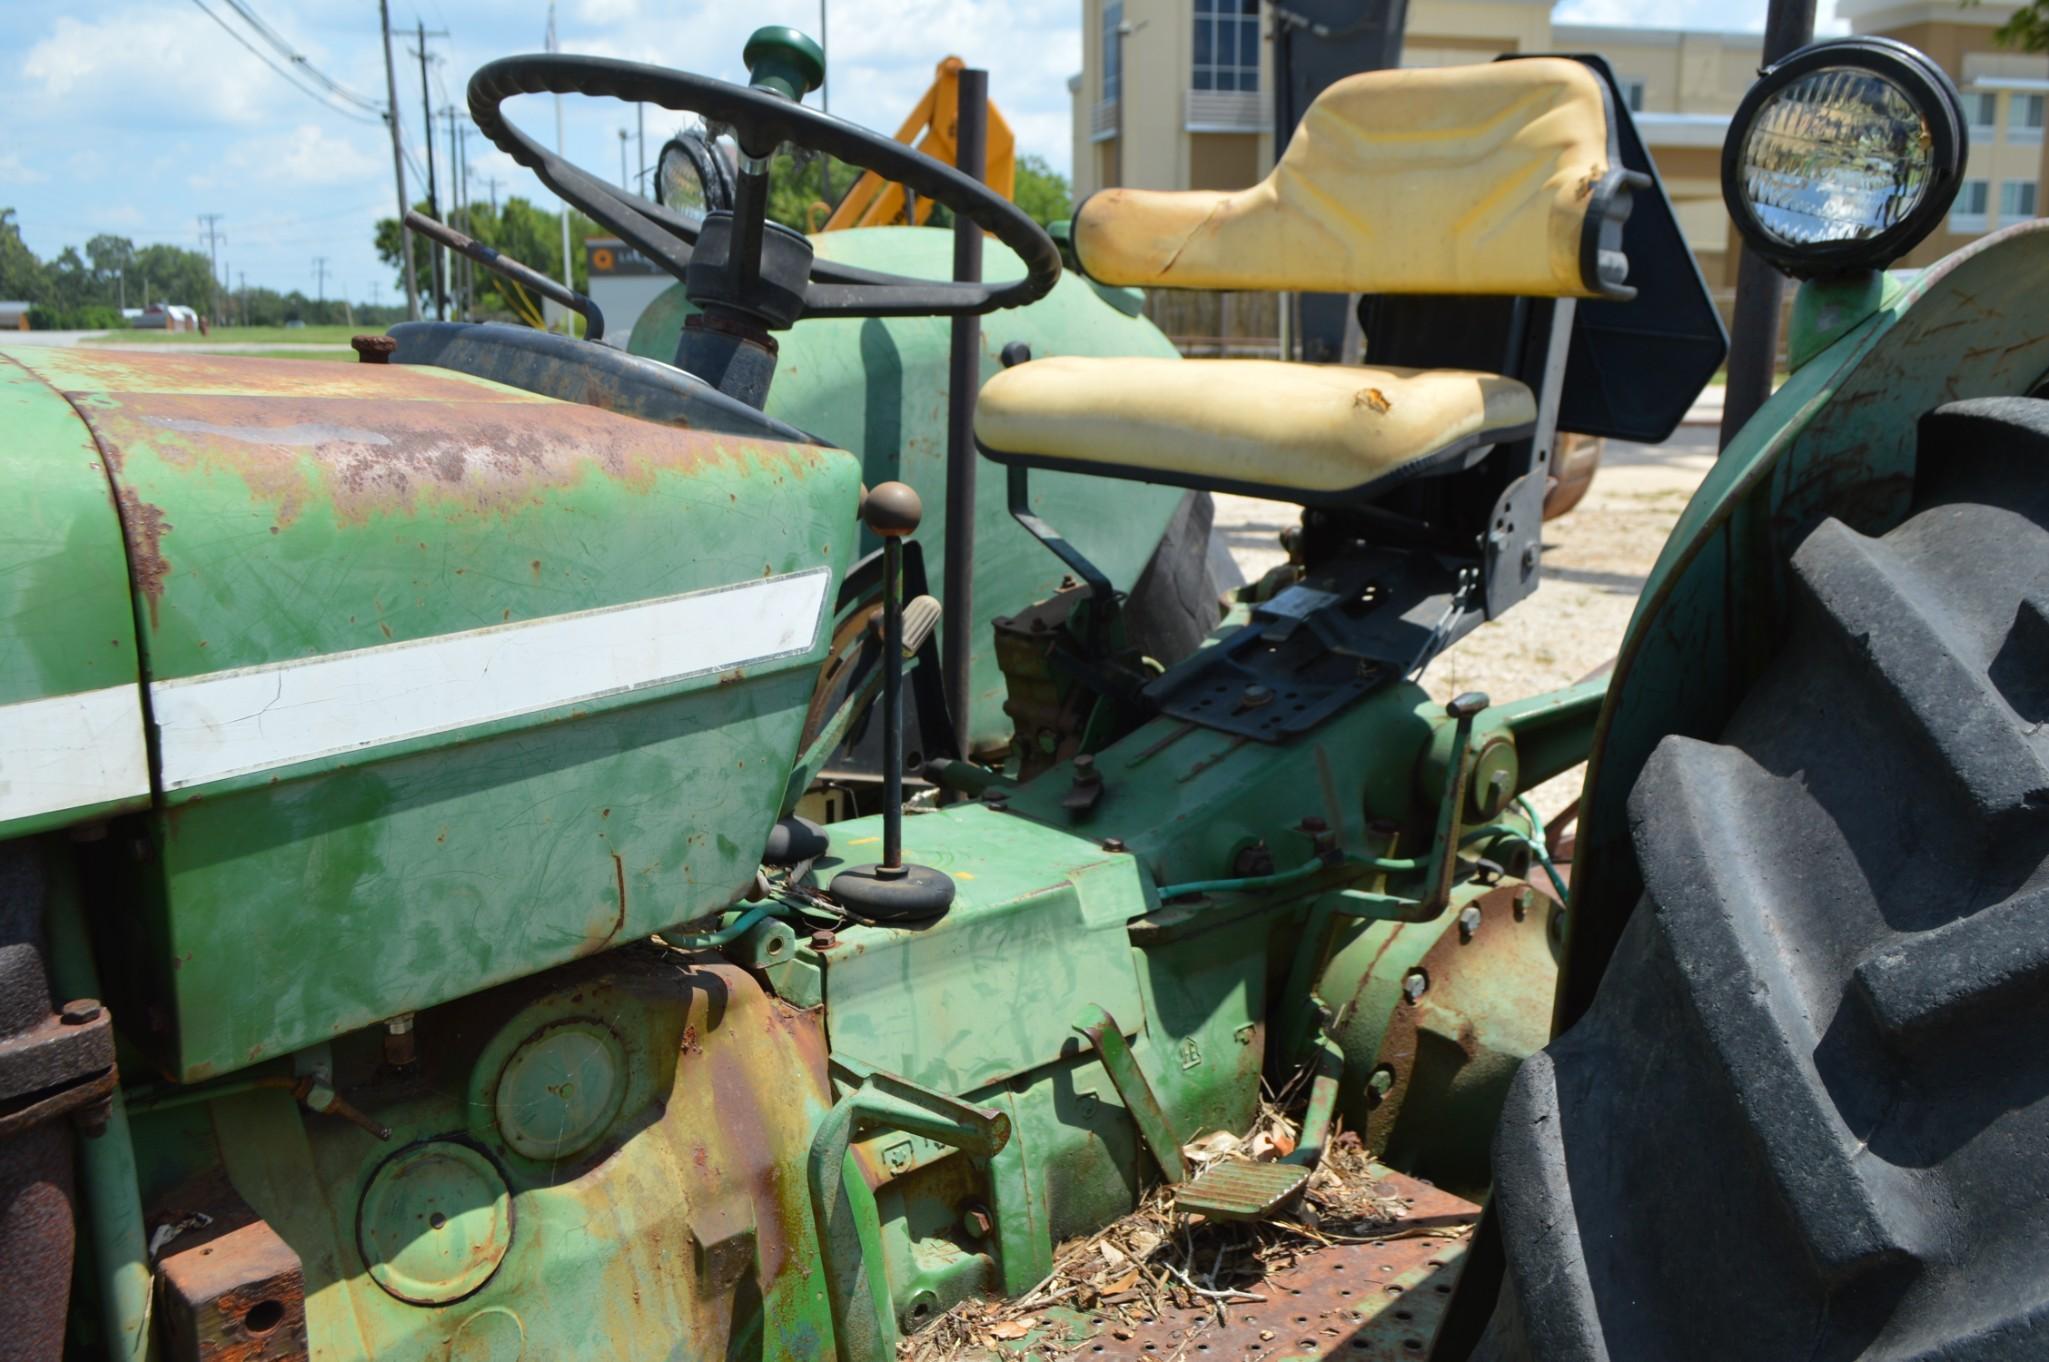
(894, 891)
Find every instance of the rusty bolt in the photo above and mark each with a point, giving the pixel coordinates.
(79, 1011)
(1313, 824)
(1415, 984)
(977, 1222)
(1113, 844)
(1380, 1082)
(1256, 859)
(823, 941)
(373, 349)
(1468, 921)
(1525, 899)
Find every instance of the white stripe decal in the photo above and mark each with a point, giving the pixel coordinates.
(69, 751)
(259, 718)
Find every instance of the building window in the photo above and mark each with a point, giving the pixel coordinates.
(2024, 119)
(1632, 95)
(1967, 214)
(1113, 48)
(1981, 109)
(2016, 200)
(1226, 45)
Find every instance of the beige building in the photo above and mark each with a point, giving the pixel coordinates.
(1178, 94)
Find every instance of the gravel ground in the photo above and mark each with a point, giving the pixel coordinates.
(1595, 561)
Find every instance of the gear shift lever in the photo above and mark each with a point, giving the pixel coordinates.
(893, 891)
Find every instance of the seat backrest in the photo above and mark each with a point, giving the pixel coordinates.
(1496, 179)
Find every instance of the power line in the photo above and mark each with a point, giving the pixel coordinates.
(283, 74)
(298, 59)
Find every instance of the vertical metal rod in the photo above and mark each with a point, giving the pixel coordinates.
(1754, 329)
(892, 702)
(964, 381)
(398, 162)
(433, 194)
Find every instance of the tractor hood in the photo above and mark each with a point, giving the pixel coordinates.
(446, 682)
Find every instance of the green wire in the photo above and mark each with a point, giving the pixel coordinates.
(1535, 842)
(1245, 884)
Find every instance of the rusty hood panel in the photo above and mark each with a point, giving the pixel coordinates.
(282, 508)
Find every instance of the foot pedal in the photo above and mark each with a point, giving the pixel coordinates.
(1241, 1191)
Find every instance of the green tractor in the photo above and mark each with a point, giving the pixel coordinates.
(412, 946)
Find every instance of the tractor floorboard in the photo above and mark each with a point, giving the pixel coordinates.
(1375, 1301)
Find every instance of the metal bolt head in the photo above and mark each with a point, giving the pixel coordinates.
(1381, 1081)
(1255, 696)
(1314, 824)
(1113, 844)
(1529, 559)
(823, 941)
(892, 509)
(1468, 921)
(80, 1011)
(1415, 984)
(400, 1025)
(373, 349)
(977, 1221)
(1015, 353)
(1525, 899)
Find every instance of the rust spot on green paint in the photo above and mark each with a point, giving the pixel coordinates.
(145, 527)
(407, 446)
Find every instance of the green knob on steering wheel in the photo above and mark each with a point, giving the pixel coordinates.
(784, 60)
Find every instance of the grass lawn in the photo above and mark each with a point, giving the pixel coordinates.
(243, 335)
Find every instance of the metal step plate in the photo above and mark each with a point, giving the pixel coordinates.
(1240, 1191)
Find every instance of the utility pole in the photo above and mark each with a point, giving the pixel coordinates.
(213, 237)
(454, 204)
(398, 162)
(433, 193)
(568, 270)
(640, 145)
(622, 163)
(320, 287)
(242, 287)
(492, 180)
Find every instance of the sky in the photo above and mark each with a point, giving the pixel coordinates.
(137, 116)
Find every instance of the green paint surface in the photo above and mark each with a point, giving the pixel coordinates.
(878, 388)
(63, 573)
(294, 513)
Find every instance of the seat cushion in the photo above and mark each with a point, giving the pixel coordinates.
(1310, 433)
(1492, 179)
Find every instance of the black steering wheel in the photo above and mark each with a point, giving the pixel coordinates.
(763, 116)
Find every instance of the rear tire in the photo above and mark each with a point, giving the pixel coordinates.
(1808, 1113)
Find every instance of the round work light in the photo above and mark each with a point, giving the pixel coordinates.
(1844, 156)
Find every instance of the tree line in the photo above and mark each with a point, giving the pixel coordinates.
(85, 288)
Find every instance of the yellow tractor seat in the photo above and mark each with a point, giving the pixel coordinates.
(1307, 433)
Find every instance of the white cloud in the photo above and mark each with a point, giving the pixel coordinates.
(156, 58)
(306, 157)
(14, 170)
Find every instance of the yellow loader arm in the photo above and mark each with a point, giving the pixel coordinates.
(874, 202)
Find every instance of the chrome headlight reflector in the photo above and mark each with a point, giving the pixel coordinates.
(1843, 156)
